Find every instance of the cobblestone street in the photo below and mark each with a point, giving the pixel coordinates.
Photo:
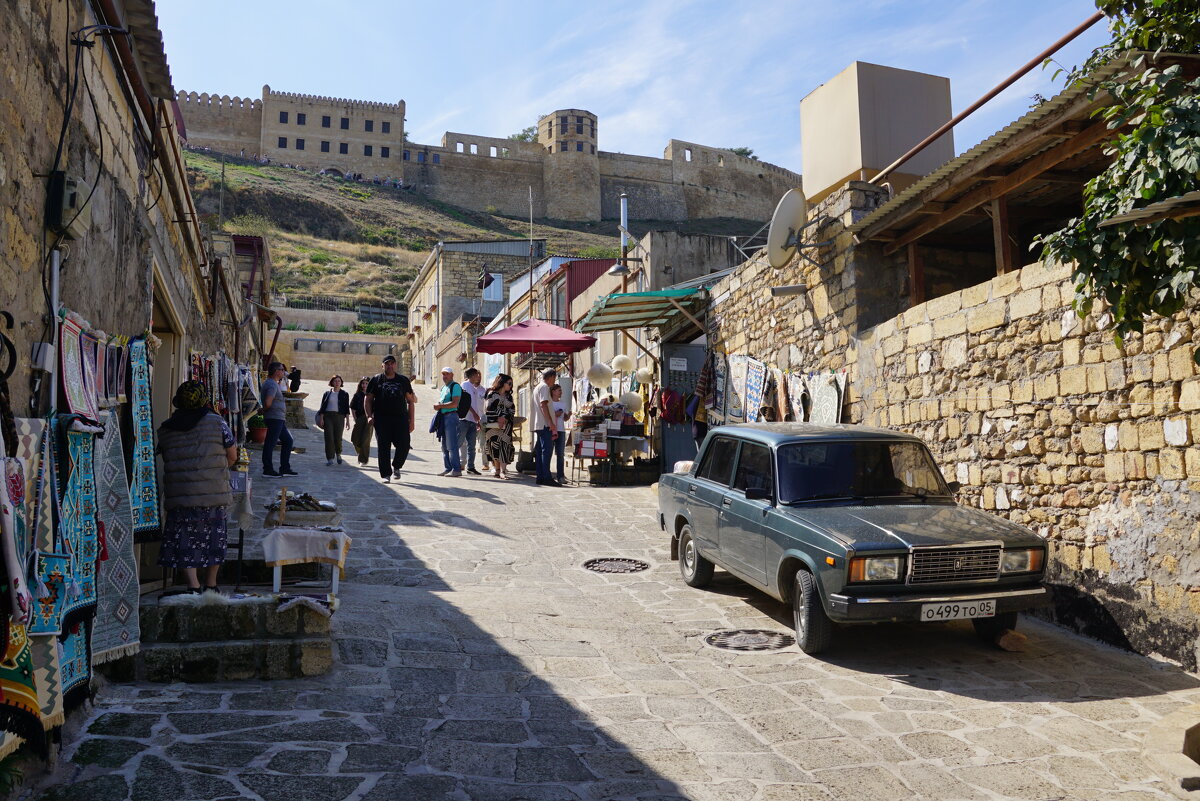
(475, 660)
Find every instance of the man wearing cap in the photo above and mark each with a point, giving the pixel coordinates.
(447, 407)
(274, 411)
(546, 427)
(391, 407)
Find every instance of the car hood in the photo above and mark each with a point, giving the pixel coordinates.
(906, 525)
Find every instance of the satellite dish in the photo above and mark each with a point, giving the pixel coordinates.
(790, 217)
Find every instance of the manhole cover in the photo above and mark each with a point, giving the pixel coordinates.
(750, 640)
(612, 564)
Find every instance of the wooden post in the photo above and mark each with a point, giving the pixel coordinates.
(916, 276)
(1005, 261)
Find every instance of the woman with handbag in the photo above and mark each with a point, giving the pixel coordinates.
(498, 421)
(360, 435)
(335, 407)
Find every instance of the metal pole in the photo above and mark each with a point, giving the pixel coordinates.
(1009, 81)
(221, 201)
(624, 250)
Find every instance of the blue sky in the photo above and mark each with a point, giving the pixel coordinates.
(725, 74)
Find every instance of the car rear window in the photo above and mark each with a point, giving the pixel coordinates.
(754, 468)
(717, 464)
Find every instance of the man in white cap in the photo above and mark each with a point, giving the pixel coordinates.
(447, 407)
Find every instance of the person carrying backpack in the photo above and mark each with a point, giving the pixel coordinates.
(448, 422)
(471, 411)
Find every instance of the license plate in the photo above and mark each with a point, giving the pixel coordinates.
(932, 613)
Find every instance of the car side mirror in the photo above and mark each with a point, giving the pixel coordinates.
(758, 494)
(954, 487)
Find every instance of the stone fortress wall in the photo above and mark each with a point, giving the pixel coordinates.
(564, 170)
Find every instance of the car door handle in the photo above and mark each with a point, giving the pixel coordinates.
(727, 502)
(692, 489)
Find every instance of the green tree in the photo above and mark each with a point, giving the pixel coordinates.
(1149, 269)
(525, 135)
(748, 152)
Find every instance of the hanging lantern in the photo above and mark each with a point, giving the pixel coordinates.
(623, 363)
(644, 375)
(631, 401)
(600, 375)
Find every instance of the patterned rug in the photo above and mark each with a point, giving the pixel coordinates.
(51, 572)
(14, 542)
(143, 494)
(20, 709)
(33, 446)
(79, 530)
(47, 674)
(73, 380)
(756, 379)
(76, 666)
(117, 626)
(735, 388)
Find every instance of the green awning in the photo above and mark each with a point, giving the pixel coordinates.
(660, 308)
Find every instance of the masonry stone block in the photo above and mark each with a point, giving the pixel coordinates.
(982, 318)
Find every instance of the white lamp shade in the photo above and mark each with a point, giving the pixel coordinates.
(623, 363)
(600, 375)
(631, 401)
(644, 375)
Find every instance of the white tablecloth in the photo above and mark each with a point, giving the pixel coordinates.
(293, 545)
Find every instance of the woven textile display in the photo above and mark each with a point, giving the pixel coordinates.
(79, 530)
(76, 665)
(73, 381)
(735, 387)
(47, 674)
(116, 630)
(143, 494)
(20, 709)
(33, 448)
(756, 379)
(51, 572)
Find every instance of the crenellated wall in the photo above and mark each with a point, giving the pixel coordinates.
(1041, 415)
(230, 125)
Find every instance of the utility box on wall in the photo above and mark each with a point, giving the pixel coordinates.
(866, 117)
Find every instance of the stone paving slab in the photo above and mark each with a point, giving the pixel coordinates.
(476, 660)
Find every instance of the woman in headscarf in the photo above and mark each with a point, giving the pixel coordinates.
(500, 411)
(197, 449)
(361, 433)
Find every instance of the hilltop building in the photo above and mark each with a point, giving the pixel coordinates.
(564, 170)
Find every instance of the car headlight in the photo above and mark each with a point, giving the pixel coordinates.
(1021, 560)
(876, 568)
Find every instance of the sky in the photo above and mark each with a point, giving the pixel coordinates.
(723, 73)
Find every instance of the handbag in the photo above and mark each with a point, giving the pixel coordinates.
(319, 420)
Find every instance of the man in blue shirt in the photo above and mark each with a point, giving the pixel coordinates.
(447, 407)
(274, 410)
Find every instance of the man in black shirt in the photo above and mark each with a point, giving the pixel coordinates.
(294, 379)
(391, 408)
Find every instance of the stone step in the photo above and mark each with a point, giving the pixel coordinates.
(234, 660)
(218, 621)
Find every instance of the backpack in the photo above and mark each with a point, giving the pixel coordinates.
(464, 402)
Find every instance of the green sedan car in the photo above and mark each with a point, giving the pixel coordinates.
(849, 524)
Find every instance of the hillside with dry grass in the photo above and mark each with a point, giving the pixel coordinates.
(332, 237)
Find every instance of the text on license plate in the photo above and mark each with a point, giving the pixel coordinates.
(958, 611)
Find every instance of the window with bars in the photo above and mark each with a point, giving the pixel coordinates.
(283, 117)
(301, 119)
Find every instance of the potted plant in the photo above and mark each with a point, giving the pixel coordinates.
(256, 428)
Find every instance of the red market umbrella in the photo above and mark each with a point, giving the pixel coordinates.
(534, 336)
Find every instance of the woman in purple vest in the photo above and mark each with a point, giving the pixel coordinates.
(197, 450)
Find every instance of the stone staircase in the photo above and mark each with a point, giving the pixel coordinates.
(230, 640)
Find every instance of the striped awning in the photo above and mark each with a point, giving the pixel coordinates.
(658, 309)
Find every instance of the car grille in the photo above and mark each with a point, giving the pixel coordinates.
(938, 565)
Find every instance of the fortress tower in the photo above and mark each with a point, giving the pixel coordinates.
(571, 171)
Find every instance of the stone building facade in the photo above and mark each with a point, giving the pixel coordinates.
(140, 262)
(565, 172)
(1038, 413)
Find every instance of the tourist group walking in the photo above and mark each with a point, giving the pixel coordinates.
(474, 424)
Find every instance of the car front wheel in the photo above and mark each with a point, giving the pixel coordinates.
(814, 630)
(695, 569)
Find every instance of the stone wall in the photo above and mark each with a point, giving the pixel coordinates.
(351, 362)
(649, 183)
(715, 181)
(230, 125)
(478, 181)
(1039, 414)
(308, 319)
(374, 153)
(132, 247)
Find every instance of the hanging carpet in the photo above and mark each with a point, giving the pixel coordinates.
(735, 387)
(47, 674)
(33, 447)
(117, 626)
(76, 666)
(756, 378)
(73, 381)
(20, 708)
(79, 529)
(143, 494)
(798, 400)
(826, 400)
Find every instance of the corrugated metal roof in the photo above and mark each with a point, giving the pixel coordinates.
(1049, 108)
(641, 309)
(499, 247)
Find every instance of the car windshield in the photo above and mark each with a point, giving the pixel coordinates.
(857, 470)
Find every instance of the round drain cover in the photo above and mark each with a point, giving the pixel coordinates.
(750, 640)
(612, 564)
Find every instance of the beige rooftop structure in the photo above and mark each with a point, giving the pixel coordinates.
(864, 118)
